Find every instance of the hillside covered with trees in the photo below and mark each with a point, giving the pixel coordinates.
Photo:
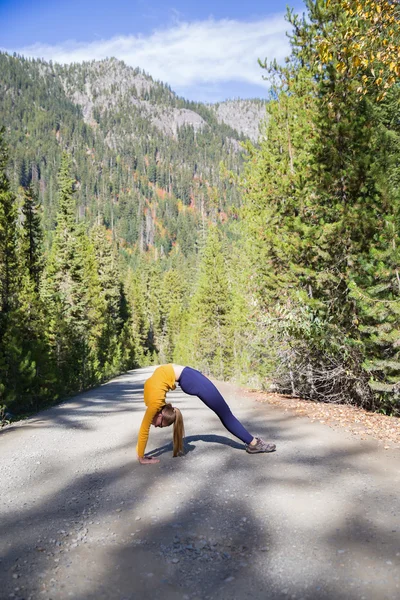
(137, 227)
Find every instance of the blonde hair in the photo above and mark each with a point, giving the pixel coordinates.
(173, 415)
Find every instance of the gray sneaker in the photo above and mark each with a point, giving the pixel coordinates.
(260, 446)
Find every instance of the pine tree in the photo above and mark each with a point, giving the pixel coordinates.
(9, 342)
(8, 236)
(375, 290)
(141, 328)
(204, 338)
(242, 324)
(72, 292)
(34, 379)
(317, 222)
(279, 219)
(174, 290)
(359, 208)
(113, 356)
(32, 237)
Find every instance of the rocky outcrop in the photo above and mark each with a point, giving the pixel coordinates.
(243, 115)
(170, 120)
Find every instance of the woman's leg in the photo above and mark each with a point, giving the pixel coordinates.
(195, 383)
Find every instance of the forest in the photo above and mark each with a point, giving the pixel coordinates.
(273, 263)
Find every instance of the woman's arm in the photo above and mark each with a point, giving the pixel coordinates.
(144, 436)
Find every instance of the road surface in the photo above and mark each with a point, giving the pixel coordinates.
(81, 518)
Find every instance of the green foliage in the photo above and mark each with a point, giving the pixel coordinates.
(152, 252)
(9, 343)
(321, 215)
(75, 313)
(66, 328)
(31, 237)
(205, 338)
(3, 418)
(72, 291)
(8, 237)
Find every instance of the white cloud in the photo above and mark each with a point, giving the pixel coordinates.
(185, 54)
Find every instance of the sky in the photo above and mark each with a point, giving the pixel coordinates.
(206, 51)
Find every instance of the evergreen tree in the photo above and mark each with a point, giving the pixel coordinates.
(174, 291)
(204, 339)
(34, 380)
(32, 237)
(112, 355)
(9, 343)
(8, 237)
(71, 290)
(141, 323)
(321, 220)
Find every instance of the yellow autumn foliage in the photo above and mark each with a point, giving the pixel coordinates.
(364, 42)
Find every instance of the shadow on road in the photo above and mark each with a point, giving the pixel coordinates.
(190, 445)
(115, 397)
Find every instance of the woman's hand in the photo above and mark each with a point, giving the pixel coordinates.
(148, 460)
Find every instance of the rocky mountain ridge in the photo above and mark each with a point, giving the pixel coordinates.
(100, 86)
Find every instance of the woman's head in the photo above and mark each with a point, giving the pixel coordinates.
(167, 416)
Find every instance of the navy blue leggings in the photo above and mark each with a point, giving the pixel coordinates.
(195, 383)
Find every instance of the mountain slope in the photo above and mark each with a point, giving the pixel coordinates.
(145, 160)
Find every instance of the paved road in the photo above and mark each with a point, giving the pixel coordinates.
(81, 519)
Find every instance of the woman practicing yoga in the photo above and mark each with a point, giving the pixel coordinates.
(161, 414)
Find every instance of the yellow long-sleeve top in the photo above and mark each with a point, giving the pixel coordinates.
(155, 391)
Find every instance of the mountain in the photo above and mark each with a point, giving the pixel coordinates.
(101, 86)
(147, 162)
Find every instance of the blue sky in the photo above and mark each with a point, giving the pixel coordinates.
(204, 50)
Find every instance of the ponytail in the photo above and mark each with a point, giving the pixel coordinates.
(171, 416)
(179, 432)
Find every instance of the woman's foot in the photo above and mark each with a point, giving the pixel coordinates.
(260, 446)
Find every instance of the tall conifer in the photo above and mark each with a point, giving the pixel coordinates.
(204, 338)
(71, 290)
(8, 235)
(9, 342)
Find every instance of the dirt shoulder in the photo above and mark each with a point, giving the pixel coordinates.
(357, 421)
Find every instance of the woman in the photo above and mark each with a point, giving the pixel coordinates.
(161, 414)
